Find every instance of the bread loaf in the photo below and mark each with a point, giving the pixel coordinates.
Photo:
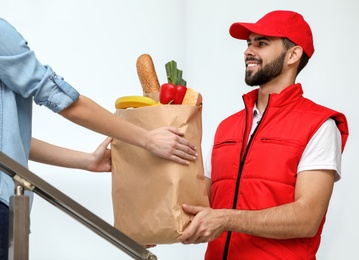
(148, 77)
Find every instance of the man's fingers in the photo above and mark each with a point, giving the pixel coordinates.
(191, 209)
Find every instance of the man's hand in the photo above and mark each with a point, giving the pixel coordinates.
(300, 218)
(207, 225)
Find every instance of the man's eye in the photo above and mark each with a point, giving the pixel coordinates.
(262, 44)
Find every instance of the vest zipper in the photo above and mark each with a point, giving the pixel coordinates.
(229, 233)
(240, 170)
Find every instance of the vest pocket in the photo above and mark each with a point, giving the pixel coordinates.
(225, 159)
(281, 141)
(226, 142)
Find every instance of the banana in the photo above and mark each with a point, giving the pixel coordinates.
(134, 102)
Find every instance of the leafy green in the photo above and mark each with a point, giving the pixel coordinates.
(174, 75)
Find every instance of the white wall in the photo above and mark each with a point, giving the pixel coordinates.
(94, 45)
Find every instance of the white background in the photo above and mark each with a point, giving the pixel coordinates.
(94, 44)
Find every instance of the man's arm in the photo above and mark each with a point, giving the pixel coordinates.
(98, 161)
(300, 218)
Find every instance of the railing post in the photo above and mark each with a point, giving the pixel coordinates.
(19, 225)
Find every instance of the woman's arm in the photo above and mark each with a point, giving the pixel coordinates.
(97, 161)
(165, 142)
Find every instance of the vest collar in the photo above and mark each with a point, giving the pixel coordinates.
(287, 96)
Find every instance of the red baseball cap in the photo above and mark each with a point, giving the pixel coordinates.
(284, 24)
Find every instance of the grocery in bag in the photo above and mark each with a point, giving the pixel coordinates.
(148, 191)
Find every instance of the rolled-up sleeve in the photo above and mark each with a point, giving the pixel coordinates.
(25, 75)
(56, 94)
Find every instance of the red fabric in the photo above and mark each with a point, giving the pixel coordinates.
(269, 172)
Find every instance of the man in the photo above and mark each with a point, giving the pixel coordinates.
(23, 79)
(273, 164)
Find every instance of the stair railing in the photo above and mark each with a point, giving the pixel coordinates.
(20, 214)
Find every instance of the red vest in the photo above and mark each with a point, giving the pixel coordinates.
(262, 174)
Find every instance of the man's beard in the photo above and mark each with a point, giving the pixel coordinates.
(267, 73)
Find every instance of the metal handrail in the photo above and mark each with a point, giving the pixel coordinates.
(32, 182)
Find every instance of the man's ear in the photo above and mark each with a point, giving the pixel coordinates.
(294, 54)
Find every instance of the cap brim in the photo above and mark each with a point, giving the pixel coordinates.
(243, 30)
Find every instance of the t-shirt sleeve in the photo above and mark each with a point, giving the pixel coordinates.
(208, 164)
(323, 152)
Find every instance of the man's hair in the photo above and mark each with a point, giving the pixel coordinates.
(303, 60)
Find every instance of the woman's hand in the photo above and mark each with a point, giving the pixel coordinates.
(168, 143)
(100, 159)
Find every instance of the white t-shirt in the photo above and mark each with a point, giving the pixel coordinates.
(323, 151)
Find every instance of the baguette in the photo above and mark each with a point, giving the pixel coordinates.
(192, 98)
(147, 75)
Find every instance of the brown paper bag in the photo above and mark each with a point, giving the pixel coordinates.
(148, 191)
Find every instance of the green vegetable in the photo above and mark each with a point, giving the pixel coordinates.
(174, 75)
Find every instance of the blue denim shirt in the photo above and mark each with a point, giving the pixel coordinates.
(23, 80)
